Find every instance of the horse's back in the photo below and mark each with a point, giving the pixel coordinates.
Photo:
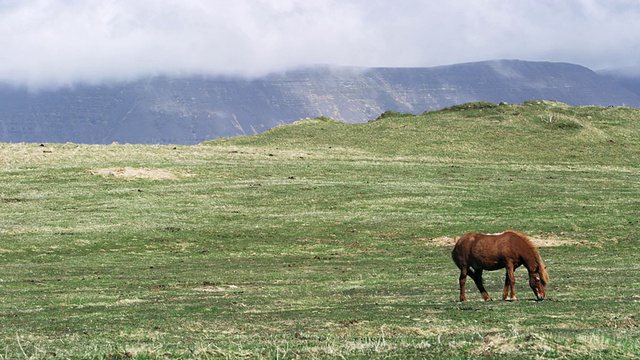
(498, 244)
(488, 251)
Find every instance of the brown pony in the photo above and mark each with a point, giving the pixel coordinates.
(474, 253)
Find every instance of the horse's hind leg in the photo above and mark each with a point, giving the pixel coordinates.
(477, 278)
(463, 281)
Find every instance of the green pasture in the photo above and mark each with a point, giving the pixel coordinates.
(326, 240)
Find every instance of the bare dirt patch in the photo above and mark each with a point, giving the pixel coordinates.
(215, 288)
(439, 241)
(129, 173)
(546, 240)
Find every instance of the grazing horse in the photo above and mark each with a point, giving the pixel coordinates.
(474, 253)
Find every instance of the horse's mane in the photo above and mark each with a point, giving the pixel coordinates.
(542, 269)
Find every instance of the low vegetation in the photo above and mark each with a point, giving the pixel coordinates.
(326, 240)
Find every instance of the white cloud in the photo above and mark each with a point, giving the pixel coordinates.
(54, 43)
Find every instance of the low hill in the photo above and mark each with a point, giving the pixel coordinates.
(195, 109)
(545, 132)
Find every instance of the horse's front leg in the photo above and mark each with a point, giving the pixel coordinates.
(509, 284)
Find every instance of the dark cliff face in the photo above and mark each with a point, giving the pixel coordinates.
(194, 109)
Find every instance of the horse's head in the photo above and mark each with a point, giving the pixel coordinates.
(538, 283)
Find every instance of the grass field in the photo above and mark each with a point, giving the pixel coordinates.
(326, 240)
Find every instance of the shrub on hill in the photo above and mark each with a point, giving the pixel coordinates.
(394, 114)
(472, 106)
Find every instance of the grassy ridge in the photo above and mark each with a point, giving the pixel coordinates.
(319, 239)
(536, 132)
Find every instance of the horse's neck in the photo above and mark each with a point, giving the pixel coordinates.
(531, 261)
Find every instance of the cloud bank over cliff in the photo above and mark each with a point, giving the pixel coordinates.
(51, 43)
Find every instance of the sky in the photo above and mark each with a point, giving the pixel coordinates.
(54, 43)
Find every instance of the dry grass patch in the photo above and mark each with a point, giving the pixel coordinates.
(130, 173)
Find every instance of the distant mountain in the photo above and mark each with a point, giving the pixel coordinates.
(194, 109)
(628, 78)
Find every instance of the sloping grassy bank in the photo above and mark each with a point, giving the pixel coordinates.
(325, 240)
